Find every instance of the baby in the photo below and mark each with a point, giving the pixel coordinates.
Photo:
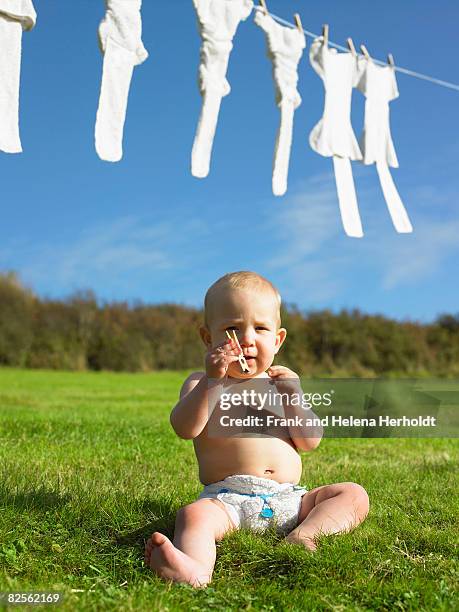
(250, 481)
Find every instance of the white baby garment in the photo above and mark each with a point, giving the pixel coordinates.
(285, 48)
(15, 16)
(333, 135)
(217, 22)
(379, 86)
(120, 37)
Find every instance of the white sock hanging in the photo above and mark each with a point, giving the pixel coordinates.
(217, 21)
(285, 48)
(15, 16)
(379, 86)
(120, 37)
(333, 135)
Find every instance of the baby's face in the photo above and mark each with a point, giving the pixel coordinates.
(254, 317)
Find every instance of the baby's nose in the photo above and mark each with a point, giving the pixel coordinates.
(247, 337)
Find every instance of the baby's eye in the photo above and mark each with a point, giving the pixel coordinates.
(231, 328)
(262, 328)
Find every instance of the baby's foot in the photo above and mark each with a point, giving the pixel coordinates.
(172, 564)
(305, 541)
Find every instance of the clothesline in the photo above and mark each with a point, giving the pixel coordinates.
(406, 71)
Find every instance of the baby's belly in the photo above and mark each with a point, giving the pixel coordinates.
(265, 457)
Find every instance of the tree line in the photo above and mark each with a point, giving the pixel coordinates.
(80, 333)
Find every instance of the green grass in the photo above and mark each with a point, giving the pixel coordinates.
(90, 467)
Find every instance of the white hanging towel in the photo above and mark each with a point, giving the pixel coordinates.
(15, 16)
(217, 22)
(379, 86)
(333, 135)
(285, 48)
(120, 38)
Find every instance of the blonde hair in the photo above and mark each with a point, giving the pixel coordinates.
(242, 280)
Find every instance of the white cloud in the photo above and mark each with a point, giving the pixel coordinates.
(316, 262)
(113, 255)
(305, 223)
(304, 257)
(413, 259)
(419, 256)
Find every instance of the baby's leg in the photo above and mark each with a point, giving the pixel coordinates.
(191, 556)
(329, 509)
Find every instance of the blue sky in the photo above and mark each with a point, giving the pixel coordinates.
(146, 229)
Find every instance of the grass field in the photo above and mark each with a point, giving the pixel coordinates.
(90, 467)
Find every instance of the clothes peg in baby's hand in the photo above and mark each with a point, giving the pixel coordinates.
(242, 361)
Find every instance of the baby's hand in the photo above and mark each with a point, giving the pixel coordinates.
(286, 380)
(219, 358)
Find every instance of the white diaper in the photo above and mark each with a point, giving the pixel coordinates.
(258, 503)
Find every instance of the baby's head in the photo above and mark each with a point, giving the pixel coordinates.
(249, 304)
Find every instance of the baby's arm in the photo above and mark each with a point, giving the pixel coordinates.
(191, 413)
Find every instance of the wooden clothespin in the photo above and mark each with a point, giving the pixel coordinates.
(299, 25)
(390, 60)
(365, 52)
(242, 362)
(264, 6)
(325, 33)
(351, 47)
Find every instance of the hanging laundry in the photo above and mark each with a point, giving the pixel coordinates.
(379, 86)
(285, 48)
(217, 21)
(16, 16)
(120, 38)
(333, 136)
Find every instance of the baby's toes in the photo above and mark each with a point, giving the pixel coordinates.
(148, 549)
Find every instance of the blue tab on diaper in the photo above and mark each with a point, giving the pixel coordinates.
(266, 511)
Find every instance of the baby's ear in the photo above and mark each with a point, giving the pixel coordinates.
(205, 335)
(280, 337)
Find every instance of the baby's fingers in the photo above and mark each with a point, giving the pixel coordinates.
(232, 358)
(225, 344)
(222, 363)
(275, 371)
(227, 359)
(225, 349)
(281, 371)
(222, 356)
